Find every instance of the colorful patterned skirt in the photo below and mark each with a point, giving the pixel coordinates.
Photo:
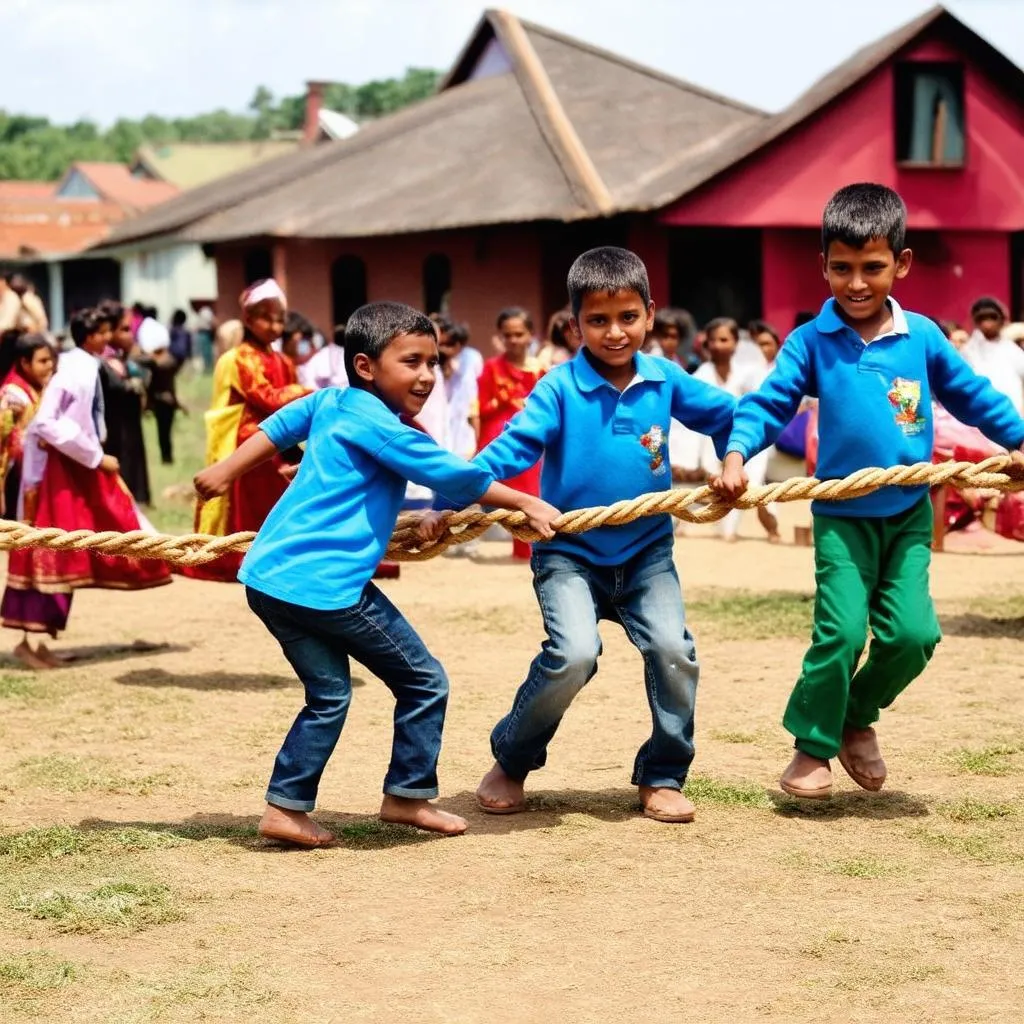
(40, 581)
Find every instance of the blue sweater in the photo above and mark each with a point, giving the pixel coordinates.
(875, 402)
(323, 540)
(601, 445)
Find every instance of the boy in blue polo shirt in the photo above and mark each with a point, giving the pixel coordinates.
(601, 423)
(308, 572)
(874, 369)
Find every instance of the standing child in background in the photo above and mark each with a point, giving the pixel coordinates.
(124, 389)
(20, 394)
(258, 382)
(181, 338)
(560, 344)
(156, 356)
(722, 336)
(308, 572)
(461, 390)
(504, 384)
(326, 368)
(70, 483)
(987, 352)
(601, 423)
(874, 369)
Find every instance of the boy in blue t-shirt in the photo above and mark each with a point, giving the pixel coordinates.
(874, 369)
(308, 572)
(601, 423)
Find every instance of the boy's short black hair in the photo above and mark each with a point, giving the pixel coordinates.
(988, 304)
(607, 269)
(371, 328)
(110, 311)
(856, 214)
(84, 323)
(179, 319)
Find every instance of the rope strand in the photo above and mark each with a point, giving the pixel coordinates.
(696, 505)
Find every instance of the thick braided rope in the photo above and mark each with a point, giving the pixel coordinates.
(697, 505)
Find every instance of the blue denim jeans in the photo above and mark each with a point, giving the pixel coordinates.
(644, 597)
(318, 645)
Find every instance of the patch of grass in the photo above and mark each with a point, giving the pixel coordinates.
(21, 687)
(206, 992)
(130, 906)
(84, 774)
(35, 971)
(744, 615)
(972, 846)
(37, 844)
(378, 835)
(725, 736)
(859, 867)
(969, 809)
(993, 760)
(707, 791)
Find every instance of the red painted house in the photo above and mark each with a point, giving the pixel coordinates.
(538, 146)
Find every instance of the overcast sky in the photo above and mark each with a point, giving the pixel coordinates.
(102, 59)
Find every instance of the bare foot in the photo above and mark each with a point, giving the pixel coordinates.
(295, 827)
(24, 653)
(730, 538)
(399, 810)
(664, 804)
(861, 758)
(500, 794)
(774, 538)
(807, 777)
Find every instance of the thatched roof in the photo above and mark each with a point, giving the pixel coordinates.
(543, 140)
(528, 125)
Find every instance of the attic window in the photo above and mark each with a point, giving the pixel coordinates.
(930, 114)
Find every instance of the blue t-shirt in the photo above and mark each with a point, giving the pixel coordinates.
(875, 404)
(323, 540)
(601, 445)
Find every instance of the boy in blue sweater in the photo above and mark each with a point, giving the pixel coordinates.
(308, 572)
(875, 370)
(601, 423)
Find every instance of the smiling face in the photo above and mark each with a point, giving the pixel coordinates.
(861, 280)
(403, 375)
(612, 327)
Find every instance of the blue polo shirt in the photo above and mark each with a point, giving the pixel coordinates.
(323, 540)
(601, 445)
(875, 402)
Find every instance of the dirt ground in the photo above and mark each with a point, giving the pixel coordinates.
(133, 886)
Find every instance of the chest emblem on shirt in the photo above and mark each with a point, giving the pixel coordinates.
(905, 398)
(653, 442)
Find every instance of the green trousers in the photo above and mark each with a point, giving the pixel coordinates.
(868, 572)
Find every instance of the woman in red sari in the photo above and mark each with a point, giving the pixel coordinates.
(69, 482)
(504, 383)
(257, 381)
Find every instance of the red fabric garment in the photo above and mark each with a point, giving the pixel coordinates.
(73, 497)
(266, 382)
(503, 390)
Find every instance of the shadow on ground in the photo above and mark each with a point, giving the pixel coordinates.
(353, 831)
(884, 806)
(231, 681)
(76, 656)
(546, 808)
(973, 625)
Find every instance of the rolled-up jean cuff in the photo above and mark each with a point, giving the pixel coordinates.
(658, 782)
(411, 794)
(289, 805)
(518, 772)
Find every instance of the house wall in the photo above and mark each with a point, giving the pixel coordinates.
(169, 277)
(491, 268)
(787, 184)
